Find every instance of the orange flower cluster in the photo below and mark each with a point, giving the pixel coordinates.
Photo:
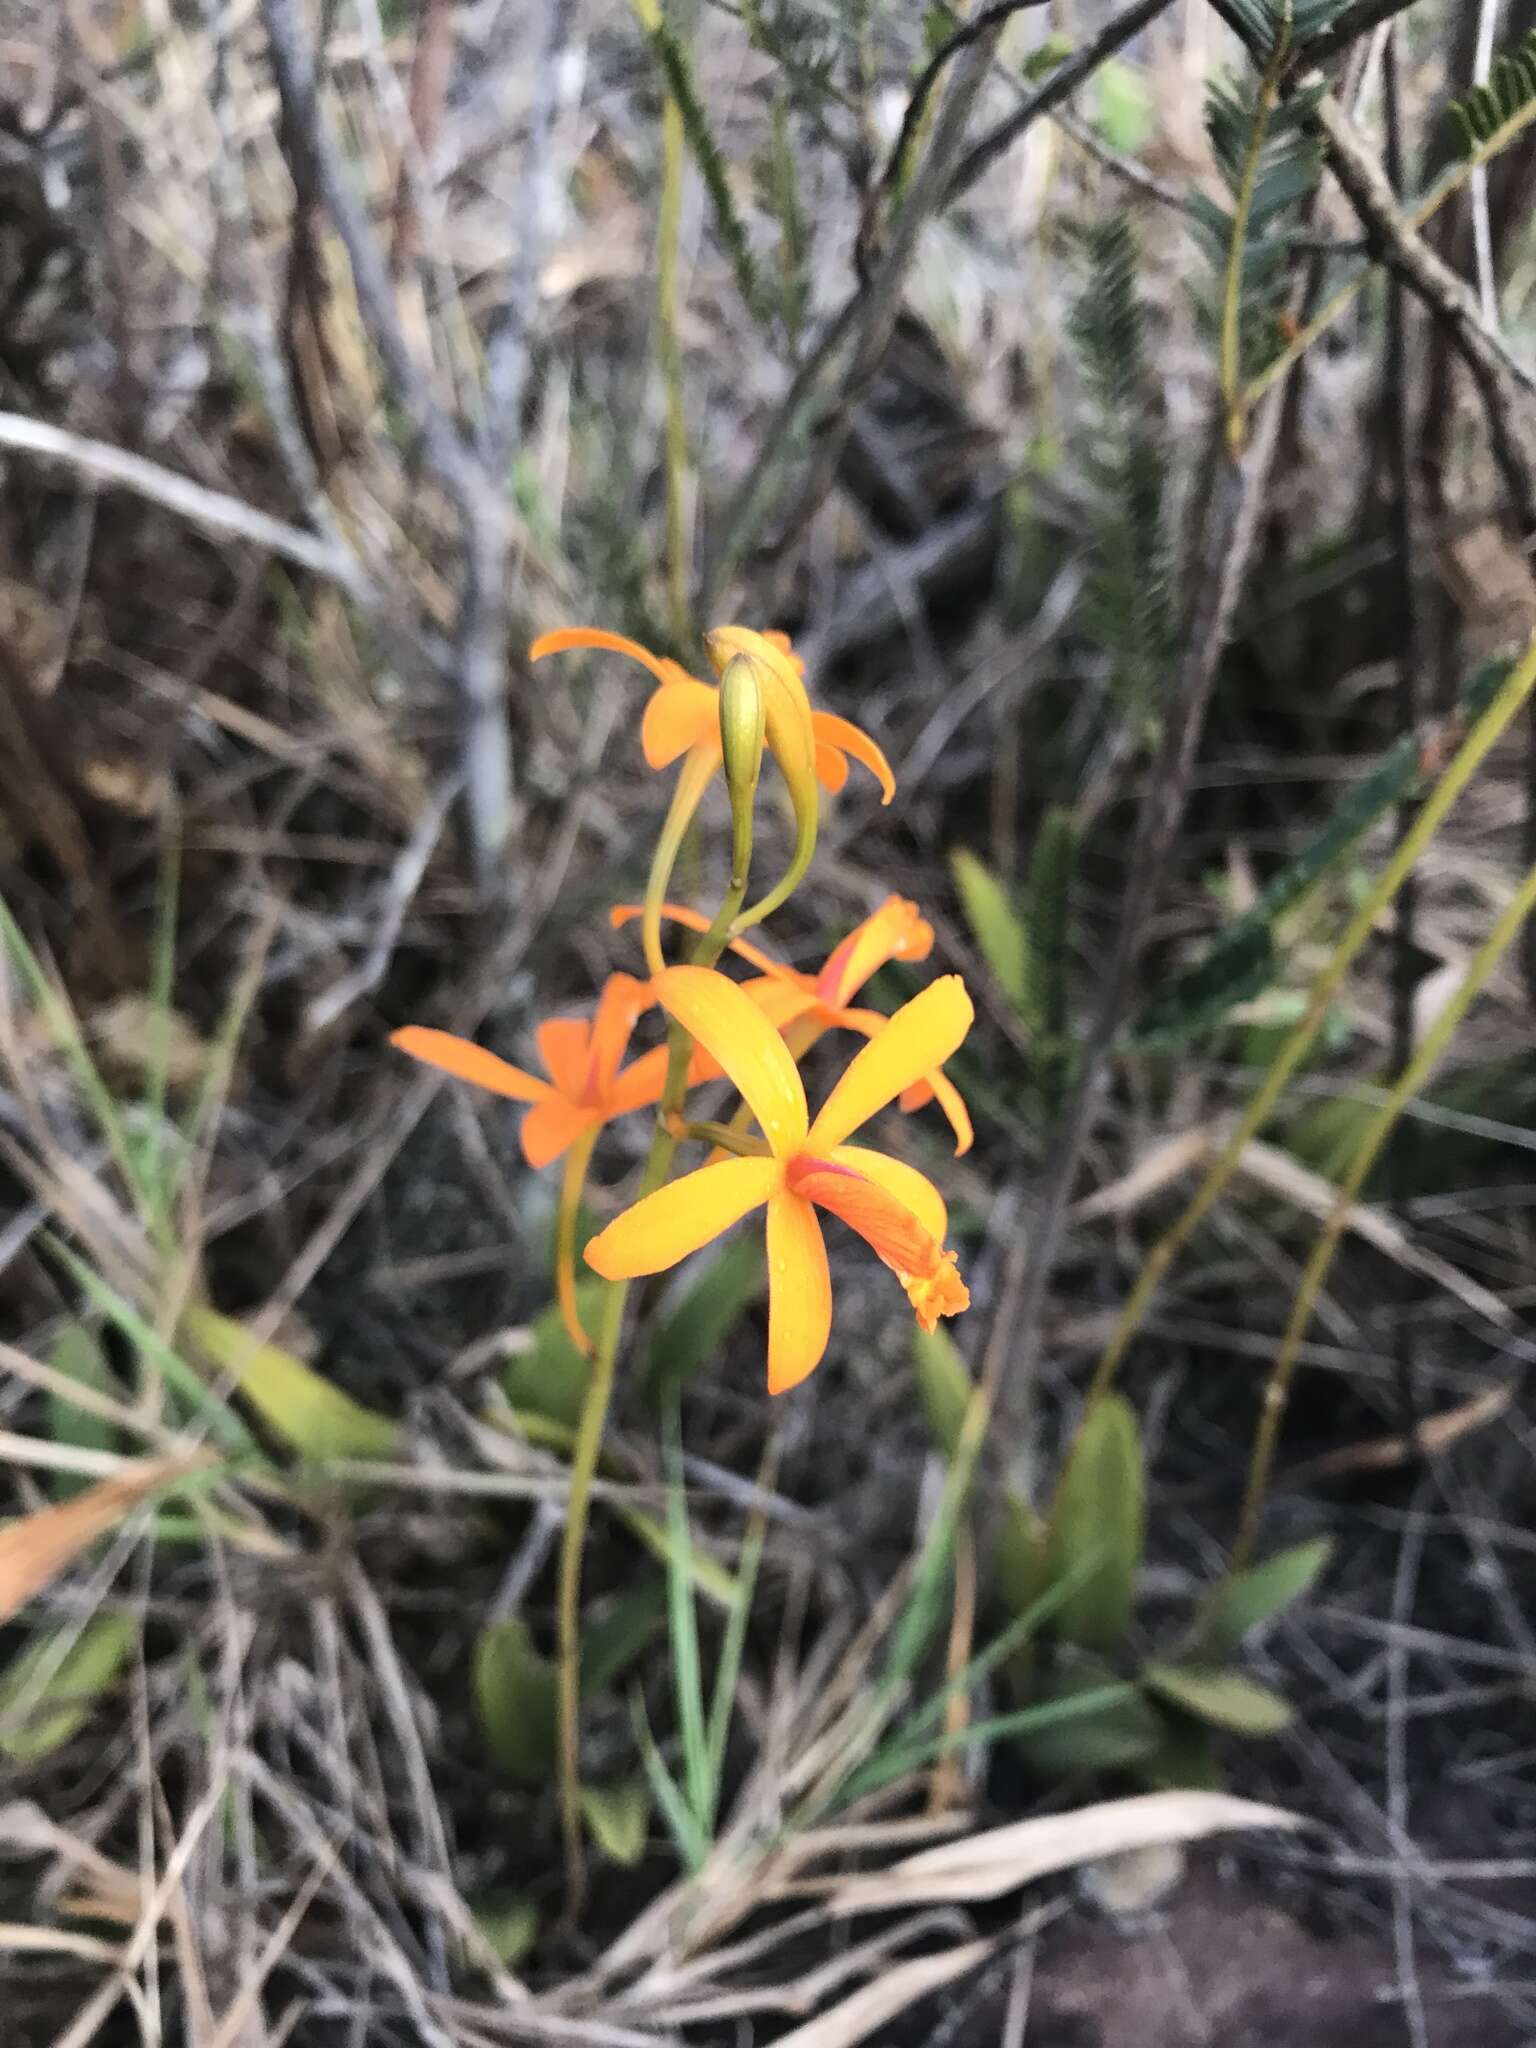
(752, 1033)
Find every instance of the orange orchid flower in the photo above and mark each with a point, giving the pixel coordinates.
(809, 1166)
(587, 1085)
(803, 1006)
(587, 1088)
(683, 715)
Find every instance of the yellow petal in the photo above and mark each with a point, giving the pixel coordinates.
(830, 731)
(919, 1038)
(680, 1217)
(913, 1189)
(468, 1062)
(680, 715)
(799, 1292)
(734, 1031)
(780, 1000)
(604, 643)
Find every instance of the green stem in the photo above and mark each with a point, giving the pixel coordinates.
(1410, 1082)
(598, 1394)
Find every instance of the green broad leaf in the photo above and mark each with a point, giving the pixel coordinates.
(1120, 1732)
(618, 1817)
(611, 1644)
(691, 1334)
(549, 1378)
(1240, 1603)
(46, 1697)
(1123, 114)
(517, 1700)
(310, 1415)
(510, 1925)
(1185, 1760)
(77, 1354)
(1098, 1526)
(1223, 1699)
(996, 926)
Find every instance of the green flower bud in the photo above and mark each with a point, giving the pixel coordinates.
(743, 723)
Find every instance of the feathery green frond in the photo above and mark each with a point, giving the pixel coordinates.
(1493, 114)
(729, 226)
(1128, 604)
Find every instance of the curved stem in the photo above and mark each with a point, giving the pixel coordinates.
(1409, 1084)
(694, 777)
(572, 1182)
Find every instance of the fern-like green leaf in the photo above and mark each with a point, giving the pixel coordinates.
(1128, 606)
(1494, 114)
(729, 226)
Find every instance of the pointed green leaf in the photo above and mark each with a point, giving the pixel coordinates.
(611, 1644)
(310, 1415)
(618, 1817)
(1225, 1699)
(517, 1700)
(1098, 1524)
(996, 926)
(77, 1354)
(549, 1378)
(1105, 1737)
(1239, 1604)
(45, 1697)
(510, 1925)
(1185, 1760)
(944, 1387)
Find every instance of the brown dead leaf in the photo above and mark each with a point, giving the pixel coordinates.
(857, 2017)
(35, 1549)
(1002, 1860)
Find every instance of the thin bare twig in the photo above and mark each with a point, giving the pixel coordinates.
(1506, 388)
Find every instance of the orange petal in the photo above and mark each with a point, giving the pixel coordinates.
(896, 931)
(831, 767)
(830, 731)
(912, 1189)
(680, 715)
(919, 1038)
(468, 1062)
(938, 1086)
(785, 646)
(606, 643)
(639, 1084)
(799, 1292)
(621, 1003)
(565, 1045)
(780, 1001)
(552, 1127)
(885, 1222)
(682, 1216)
(626, 913)
(734, 1031)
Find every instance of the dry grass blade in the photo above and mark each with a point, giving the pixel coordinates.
(988, 1865)
(873, 2004)
(35, 1549)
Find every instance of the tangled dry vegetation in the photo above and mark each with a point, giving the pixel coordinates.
(1131, 449)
